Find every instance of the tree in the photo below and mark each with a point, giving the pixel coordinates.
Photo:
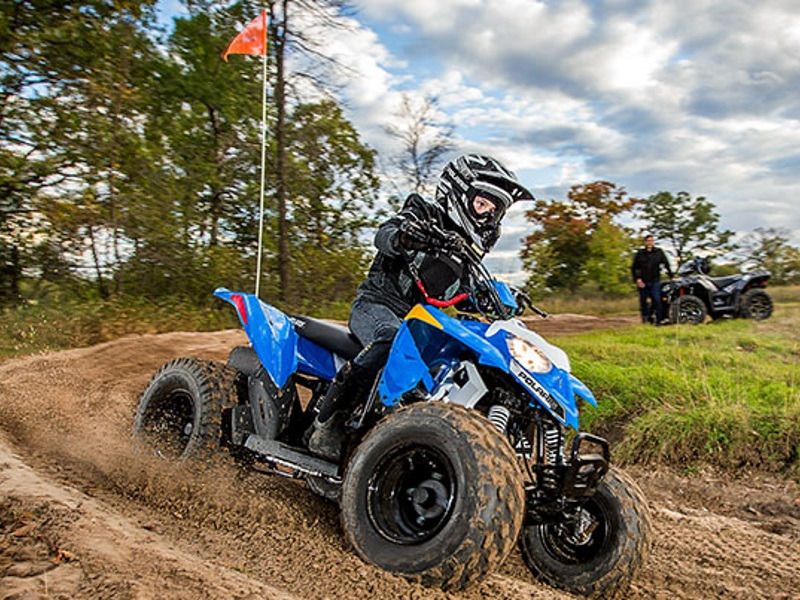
(203, 230)
(68, 73)
(690, 226)
(578, 242)
(333, 188)
(45, 49)
(195, 228)
(285, 40)
(769, 248)
(608, 264)
(425, 137)
(135, 166)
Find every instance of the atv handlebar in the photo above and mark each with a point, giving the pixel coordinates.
(487, 299)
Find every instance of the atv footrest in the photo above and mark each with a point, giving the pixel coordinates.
(280, 453)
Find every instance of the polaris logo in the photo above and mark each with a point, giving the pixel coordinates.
(536, 390)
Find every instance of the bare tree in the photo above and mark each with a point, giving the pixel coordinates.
(426, 138)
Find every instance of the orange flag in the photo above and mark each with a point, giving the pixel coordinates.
(252, 39)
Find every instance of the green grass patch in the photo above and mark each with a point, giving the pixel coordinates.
(725, 393)
(785, 294)
(59, 323)
(562, 303)
(53, 326)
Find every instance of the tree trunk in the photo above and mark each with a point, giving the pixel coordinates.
(101, 285)
(280, 138)
(215, 208)
(15, 272)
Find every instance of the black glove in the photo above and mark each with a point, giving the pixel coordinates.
(452, 241)
(521, 298)
(412, 235)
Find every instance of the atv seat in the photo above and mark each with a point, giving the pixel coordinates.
(721, 282)
(333, 337)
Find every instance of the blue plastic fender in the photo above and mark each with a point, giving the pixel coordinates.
(270, 331)
(428, 335)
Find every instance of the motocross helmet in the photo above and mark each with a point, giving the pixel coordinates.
(474, 175)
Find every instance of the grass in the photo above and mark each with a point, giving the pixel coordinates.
(725, 393)
(71, 324)
(559, 304)
(62, 323)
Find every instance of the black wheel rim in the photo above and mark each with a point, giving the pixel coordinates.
(580, 540)
(411, 493)
(168, 423)
(690, 312)
(759, 307)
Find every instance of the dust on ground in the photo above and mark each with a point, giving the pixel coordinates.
(82, 515)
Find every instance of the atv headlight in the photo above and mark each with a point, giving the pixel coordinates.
(528, 355)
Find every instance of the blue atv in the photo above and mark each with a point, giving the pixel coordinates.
(467, 443)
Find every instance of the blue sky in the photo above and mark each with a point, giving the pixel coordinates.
(700, 96)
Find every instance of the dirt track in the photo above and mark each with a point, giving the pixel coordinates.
(83, 516)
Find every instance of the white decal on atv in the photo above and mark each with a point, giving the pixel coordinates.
(535, 388)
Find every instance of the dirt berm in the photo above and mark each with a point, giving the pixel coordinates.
(82, 515)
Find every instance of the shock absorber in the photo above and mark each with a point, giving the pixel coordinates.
(551, 436)
(552, 440)
(499, 416)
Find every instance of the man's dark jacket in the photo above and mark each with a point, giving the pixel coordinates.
(647, 265)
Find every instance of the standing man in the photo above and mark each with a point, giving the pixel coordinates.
(646, 270)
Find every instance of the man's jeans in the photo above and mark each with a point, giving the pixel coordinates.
(652, 309)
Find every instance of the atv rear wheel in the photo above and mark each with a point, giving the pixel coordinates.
(688, 310)
(180, 411)
(755, 304)
(597, 553)
(434, 494)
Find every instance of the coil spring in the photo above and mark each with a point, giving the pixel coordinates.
(552, 439)
(499, 416)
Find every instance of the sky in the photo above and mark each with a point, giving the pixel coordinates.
(697, 96)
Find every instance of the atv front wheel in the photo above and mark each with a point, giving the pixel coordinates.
(755, 304)
(434, 494)
(180, 412)
(688, 310)
(597, 552)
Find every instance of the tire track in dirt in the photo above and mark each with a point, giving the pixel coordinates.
(68, 463)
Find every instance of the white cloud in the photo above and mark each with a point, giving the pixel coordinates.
(702, 96)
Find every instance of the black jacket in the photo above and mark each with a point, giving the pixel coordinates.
(390, 281)
(647, 265)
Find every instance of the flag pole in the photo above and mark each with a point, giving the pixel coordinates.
(263, 154)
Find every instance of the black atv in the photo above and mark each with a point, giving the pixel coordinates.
(693, 295)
